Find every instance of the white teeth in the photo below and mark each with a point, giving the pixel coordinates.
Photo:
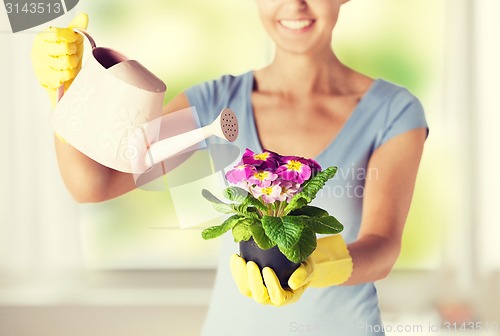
(296, 24)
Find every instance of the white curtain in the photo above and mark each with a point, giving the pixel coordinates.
(38, 219)
(486, 110)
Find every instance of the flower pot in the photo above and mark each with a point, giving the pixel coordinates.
(273, 258)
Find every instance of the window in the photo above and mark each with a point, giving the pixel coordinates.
(200, 41)
(183, 43)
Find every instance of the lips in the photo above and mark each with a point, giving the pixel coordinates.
(296, 25)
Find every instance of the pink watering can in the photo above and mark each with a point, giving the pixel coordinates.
(109, 99)
(112, 113)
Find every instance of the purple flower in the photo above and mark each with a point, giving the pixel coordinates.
(269, 194)
(266, 160)
(240, 173)
(294, 169)
(314, 165)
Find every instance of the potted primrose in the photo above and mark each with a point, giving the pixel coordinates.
(270, 216)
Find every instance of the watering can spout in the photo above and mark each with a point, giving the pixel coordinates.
(225, 126)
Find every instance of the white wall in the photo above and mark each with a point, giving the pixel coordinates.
(486, 109)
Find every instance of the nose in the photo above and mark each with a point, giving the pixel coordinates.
(299, 4)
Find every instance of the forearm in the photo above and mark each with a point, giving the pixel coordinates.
(387, 199)
(87, 180)
(373, 258)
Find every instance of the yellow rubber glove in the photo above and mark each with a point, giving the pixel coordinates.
(264, 289)
(332, 264)
(329, 265)
(57, 56)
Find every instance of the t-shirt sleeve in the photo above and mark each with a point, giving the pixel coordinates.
(404, 114)
(209, 98)
(202, 97)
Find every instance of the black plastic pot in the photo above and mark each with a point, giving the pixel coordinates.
(273, 258)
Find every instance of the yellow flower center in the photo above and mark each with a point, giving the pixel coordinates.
(268, 191)
(261, 176)
(261, 156)
(294, 165)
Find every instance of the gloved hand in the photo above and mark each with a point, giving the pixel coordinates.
(57, 56)
(329, 265)
(266, 289)
(332, 264)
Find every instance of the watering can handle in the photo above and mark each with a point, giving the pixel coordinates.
(60, 89)
(87, 35)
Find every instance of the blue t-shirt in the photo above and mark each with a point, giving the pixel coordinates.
(385, 110)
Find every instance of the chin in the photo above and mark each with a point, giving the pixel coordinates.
(299, 49)
(310, 45)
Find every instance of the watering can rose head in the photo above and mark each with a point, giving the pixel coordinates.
(269, 203)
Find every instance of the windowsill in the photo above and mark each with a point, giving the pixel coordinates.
(155, 288)
(175, 302)
(410, 291)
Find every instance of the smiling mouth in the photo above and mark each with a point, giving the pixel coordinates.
(296, 24)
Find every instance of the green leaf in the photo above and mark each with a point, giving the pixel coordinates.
(248, 206)
(216, 231)
(224, 208)
(324, 225)
(239, 209)
(244, 210)
(310, 211)
(303, 249)
(297, 202)
(210, 197)
(318, 182)
(241, 232)
(217, 203)
(310, 190)
(260, 237)
(251, 201)
(284, 231)
(236, 194)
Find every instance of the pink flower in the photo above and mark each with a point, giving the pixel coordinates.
(266, 160)
(240, 173)
(294, 169)
(288, 190)
(262, 178)
(268, 194)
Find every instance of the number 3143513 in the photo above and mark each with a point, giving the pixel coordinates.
(33, 8)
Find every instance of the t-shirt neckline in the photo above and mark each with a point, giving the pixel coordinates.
(249, 78)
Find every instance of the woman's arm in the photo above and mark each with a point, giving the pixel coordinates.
(390, 180)
(87, 180)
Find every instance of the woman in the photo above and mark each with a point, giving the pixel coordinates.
(305, 103)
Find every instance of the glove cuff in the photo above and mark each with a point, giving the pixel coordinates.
(332, 262)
